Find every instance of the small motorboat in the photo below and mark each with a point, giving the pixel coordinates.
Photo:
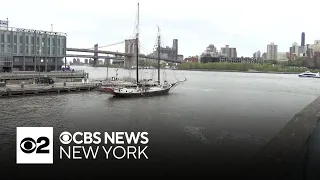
(310, 74)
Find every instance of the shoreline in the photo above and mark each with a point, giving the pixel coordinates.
(253, 71)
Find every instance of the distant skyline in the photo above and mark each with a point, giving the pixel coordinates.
(248, 25)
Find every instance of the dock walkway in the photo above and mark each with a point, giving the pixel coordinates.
(36, 89)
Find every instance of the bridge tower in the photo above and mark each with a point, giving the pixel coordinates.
(130, 48)
(95, 60)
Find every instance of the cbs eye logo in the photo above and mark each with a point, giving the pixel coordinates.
(29, 145)
(34, 145)
(65, 137)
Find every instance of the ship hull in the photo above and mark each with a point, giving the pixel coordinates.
(309, 76)
(144, 94)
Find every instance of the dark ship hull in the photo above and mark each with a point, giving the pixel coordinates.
(142, 94)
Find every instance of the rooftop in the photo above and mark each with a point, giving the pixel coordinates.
(33, 31)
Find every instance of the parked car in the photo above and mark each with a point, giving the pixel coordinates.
(44, 80)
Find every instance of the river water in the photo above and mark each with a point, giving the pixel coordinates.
(214, 115)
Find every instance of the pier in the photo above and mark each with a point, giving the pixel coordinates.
(35, 89)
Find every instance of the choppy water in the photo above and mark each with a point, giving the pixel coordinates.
(211, 112)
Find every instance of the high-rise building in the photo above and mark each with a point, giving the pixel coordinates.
(296, 51)
(257, 54)
(302, 39)
(264, 56)
(272, 51)
(229, 52)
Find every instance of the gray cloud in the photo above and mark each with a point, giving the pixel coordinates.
(248, 25)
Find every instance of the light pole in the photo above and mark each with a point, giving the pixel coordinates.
(40, 60)
(116, 74)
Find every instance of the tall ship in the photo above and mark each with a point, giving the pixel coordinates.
(145, 87)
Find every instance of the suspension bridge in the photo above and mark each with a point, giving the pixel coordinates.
(127, 57)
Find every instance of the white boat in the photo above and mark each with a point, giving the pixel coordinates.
(310, 74)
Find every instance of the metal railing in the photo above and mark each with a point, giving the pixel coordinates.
(52, 72)
(61, 74)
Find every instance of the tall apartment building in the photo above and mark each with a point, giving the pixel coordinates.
(257, 54)
(31, 50)
(229, 52)
(272, 51)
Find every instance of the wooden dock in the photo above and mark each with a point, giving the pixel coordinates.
(36, 89)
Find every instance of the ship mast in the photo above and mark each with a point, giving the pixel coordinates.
(159, 54)
(137, 47)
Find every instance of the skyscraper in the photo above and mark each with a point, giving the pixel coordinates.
(302, 39)
(272, 51)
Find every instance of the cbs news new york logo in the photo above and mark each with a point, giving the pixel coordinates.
(34, 145)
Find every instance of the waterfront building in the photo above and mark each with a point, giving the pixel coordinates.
(282, 56)
(194, 59)
(272, 51)
(31, 50)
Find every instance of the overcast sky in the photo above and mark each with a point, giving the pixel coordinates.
(248, 25)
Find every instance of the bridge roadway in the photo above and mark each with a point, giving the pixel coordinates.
(114, 53)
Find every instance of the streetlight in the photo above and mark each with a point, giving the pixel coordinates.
(41, 60)
(116, 74)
